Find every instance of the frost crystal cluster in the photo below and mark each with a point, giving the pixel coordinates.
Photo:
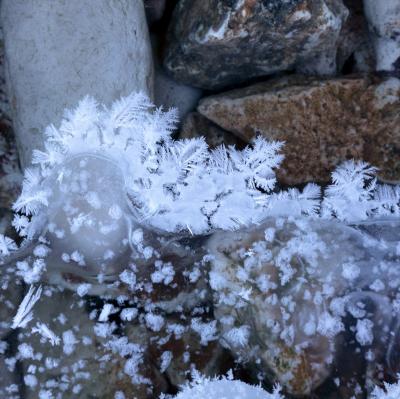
(195, 251)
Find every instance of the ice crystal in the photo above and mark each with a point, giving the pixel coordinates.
(24, 314)
(390, 391)
(217, 388)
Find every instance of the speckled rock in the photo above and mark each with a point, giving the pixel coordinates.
(11, 289)
(178, 350)
(91, 359)
(196, 125)
(213, 44)
(384, 23)
(305, 302)
(59, 51)
(9, 378)
(322, 122)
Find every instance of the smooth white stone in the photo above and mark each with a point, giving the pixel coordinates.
(58, 51)
(384, 24)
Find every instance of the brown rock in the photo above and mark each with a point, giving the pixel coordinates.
(85, 363)
(196, 125)
(214, 44)
(177, 351)
(323, 122)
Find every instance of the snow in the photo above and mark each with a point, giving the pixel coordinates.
(225, 388)
(390, 391)
(364, 334)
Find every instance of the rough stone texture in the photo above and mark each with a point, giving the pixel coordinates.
(196, 125)
(84, 369)
(10, 297)
(354, 45)
(384, 23)
(169, 93)
(322, 122)
(177, 350)
(10, 287)
(154, 10)
(60, 51)
(213, 44)
(8, 378)
(277, 310)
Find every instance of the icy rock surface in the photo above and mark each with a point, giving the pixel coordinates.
(286, 291)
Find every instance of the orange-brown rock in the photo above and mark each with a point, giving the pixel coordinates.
(322, 121)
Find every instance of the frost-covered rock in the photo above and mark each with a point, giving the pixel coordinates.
(322, 122)
(9, 378)
(221, 388)
(215, 44)
(68, 352)
(186, 344)
(59, 51)
(384, 24)
(286, 291)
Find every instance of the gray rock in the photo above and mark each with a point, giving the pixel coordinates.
(60, 51)
(154, 10)
(196, 125)
(384, 23)
(354, 43)
(213, 44)
(169, 92)
(8, 376)
(10, 288)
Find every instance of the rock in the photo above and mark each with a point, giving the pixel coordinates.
(10, 298)
(10, 287)
(213, 44)
(289, 301)
(196, 125)
(322, 121)
(355, 51)
(169, 93)
(90, 361)
(8, 377)
(10, 173)
(178, 351)
(154, 10)
(384, 24)
(57, 52)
